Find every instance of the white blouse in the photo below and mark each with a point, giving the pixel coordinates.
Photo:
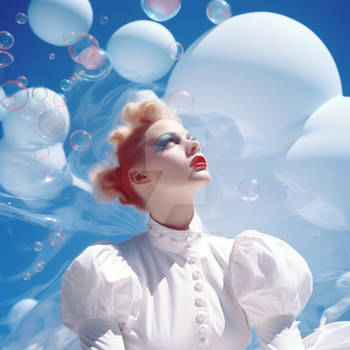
(186, 289)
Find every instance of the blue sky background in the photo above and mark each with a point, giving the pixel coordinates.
(328, 19)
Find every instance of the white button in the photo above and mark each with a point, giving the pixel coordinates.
(196, 275)
(200, 302)
(203, 329)
(201, 317)
(192, 259)
(198, 287)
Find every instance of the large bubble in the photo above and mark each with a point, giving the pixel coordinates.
(140, 51)
(51, 19)
(161, 10)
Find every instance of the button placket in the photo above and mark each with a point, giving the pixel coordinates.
(201, 316)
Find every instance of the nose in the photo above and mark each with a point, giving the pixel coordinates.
(192, 147)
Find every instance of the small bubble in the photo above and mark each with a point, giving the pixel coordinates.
(27, 276)
(175, 52)
(55, 238)
(21, 18)
(52, 124)
(39, 266)
(84, 49)
(6, 40)
(104, 20)
(5, 59)
(69, 38)
(23, 79)
(66, 84)
(52, 56)
(39, 93)
(218, 11)
(59, 100)
(181, 101)
(249, 190)
(37, 246)
(80, 140)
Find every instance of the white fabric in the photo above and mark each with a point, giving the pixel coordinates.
(186, 289)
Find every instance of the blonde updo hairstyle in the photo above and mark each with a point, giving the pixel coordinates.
(113, 183)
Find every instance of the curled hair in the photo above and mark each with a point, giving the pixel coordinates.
(112, 183)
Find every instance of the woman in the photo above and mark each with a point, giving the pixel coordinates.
(176, 286)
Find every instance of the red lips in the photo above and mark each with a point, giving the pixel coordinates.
(198, 161)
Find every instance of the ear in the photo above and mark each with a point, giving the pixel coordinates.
(138, 177)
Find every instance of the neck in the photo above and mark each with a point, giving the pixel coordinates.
(178, 217)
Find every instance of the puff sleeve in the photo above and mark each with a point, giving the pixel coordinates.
(97, 293)
(272, 282)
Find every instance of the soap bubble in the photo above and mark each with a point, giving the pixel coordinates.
(39, 93)
(175, 52)
(21, 18)
(37, 246)
(59, 100)
(96, 69)
(104, 20)
(55, 238)
(39, 266)
(80, 140)
(249, 190)
(5, 59)
(218, 11)
(181, 101)
(6, 40)
(23, 79)
(66, 84)
(27, 276)
(52, 124)
(69, 38)
(52, 56)
(16, 95)
(84, 49)
(161, 10)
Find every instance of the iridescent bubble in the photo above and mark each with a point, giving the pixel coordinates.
(37, 246)
(249, 190)
(52, 56)
(104, 20)
(218, 11)
(39, 266)
(6, 40)
(23, 79)
(161, 10)
(39, 93)
(41, 154)
(55, 238)
(21, 18)
(181, 101)
(16, 95)
(66, 84)
(5, 59)
(84, 48)
(175, 52)
(69, 38)
(52, 124)
(27, 276)
(80, 140)
(59, 100)
(96, 69)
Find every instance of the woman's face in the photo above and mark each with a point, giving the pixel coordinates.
(170, 148)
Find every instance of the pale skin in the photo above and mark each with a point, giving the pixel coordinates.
(165, 180)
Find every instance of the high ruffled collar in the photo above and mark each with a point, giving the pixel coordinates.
(173, 240)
